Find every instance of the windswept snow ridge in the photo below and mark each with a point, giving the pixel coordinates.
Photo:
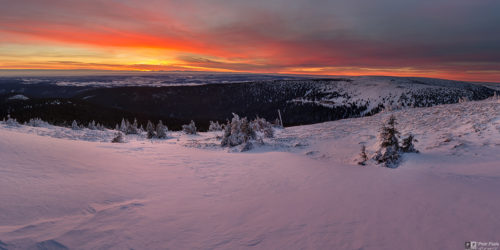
(374, 93)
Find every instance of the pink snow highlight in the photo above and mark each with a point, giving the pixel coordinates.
(301, 191)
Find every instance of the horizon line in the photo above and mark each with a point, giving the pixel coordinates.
(104, 72)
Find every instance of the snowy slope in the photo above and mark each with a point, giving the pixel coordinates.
(384, 92)
(302, 190)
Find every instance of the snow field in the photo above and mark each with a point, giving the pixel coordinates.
(301, 190)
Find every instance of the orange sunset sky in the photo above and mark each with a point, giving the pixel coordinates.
(454, 39)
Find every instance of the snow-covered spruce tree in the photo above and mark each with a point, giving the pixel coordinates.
(214, 126)
(74, 125)
(389, 152)
(246, 129)
(408, 144)
(37, 122)
(132, 128)
(150, 129)
(100, 126)
(227, 134)
(118, 138)
(237, 132)
(261, 125)
(123, 125)
(12, 122)
(161, 130)
(135, 125)
(92, 125)
(268, 132)
(190, 128)
(362, 156)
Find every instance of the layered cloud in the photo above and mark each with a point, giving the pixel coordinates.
(444, 38)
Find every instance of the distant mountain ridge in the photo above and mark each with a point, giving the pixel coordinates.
(301, 101)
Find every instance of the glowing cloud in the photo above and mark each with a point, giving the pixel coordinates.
(444, 38)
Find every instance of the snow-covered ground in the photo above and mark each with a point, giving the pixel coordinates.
(392, 92)
(301, 190)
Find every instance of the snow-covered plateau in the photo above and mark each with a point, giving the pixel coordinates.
(62, 188)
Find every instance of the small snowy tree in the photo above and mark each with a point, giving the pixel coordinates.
(135, 123)
(237, 132)
(37, 122)
(150, 129)
(190, 128)
(118, 138)
(389, 152)
(408, 144)
(261, 125)
(132, 128)
(246, 129)
(363, 157)
(268, 132)
(389, 133)
(227, 134)
(100, 126)
(92, 125)
(123, 125)
(74, 125)
(11, 121)
(161, 130)
(214, 126)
